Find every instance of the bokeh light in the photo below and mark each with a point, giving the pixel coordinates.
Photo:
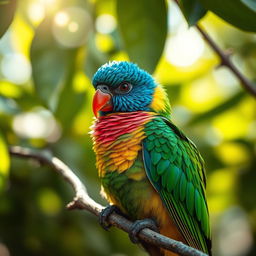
(184, 48)
(37, 124)
(61, 19)
(72, 26)
(105, 23)
(50, 5)
(181, 114)
(49, 202)
(226, 80)
(235, 236)
(212, 136)
(104, 42)
(36, 12)
(16, 68)
(176, 20)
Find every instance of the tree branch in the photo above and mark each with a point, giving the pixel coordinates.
(225, 60)
(83, 201)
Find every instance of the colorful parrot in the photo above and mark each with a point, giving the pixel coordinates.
(148, 168)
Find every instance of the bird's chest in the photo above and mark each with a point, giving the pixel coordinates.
(117, 140)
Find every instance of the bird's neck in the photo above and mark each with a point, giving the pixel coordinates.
(160, 102)
(110, 127)
(117, 140)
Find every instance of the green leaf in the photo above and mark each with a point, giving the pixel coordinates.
(69, 97)
(4, 162)
(241, 14)
(193, 11)
(94, 58)
(7, 10)
(143, 27)
(50, 63)
(229, 103)
(250, 3)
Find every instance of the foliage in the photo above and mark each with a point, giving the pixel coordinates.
(47, 58)
(241, 14)
(7, 10)
(193, 11)
(143, 34)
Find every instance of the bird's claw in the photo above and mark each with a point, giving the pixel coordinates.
(138, 225)
(105, 213)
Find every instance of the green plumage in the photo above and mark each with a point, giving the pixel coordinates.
(147, 166)
(176, 170)
(125, 189)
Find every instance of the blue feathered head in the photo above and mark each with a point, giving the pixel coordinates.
(122, 87)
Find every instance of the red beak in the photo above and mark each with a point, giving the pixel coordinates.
(101, 102)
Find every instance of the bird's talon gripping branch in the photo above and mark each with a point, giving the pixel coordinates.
(105, 213)
(138, 225)
(95, 208)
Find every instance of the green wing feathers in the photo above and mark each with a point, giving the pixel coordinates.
(175, 168)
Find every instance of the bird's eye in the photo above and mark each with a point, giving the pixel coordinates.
(124, 88)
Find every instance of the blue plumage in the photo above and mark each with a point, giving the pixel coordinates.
(114, 73)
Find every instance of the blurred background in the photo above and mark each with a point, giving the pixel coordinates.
(47, 59)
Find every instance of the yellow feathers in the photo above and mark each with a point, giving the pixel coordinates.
(119, 155)
(117, 140)
(160, 101)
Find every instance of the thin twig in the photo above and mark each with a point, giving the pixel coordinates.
(225, 60)
(83, 201)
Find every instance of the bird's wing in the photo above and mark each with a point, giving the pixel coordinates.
(176, 170)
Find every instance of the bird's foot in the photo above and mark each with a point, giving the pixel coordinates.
(105, 213)
(138, 225)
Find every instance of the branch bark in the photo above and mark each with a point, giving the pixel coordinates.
(83, 201)
(225, 61)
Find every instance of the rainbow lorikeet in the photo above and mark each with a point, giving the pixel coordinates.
(147, 166)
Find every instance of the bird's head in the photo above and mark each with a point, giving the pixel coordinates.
(122, 86)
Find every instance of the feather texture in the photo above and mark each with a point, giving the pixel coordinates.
(130, 145)
(146, 164)
(179, 180)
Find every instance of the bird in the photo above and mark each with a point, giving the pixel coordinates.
(149, 170)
